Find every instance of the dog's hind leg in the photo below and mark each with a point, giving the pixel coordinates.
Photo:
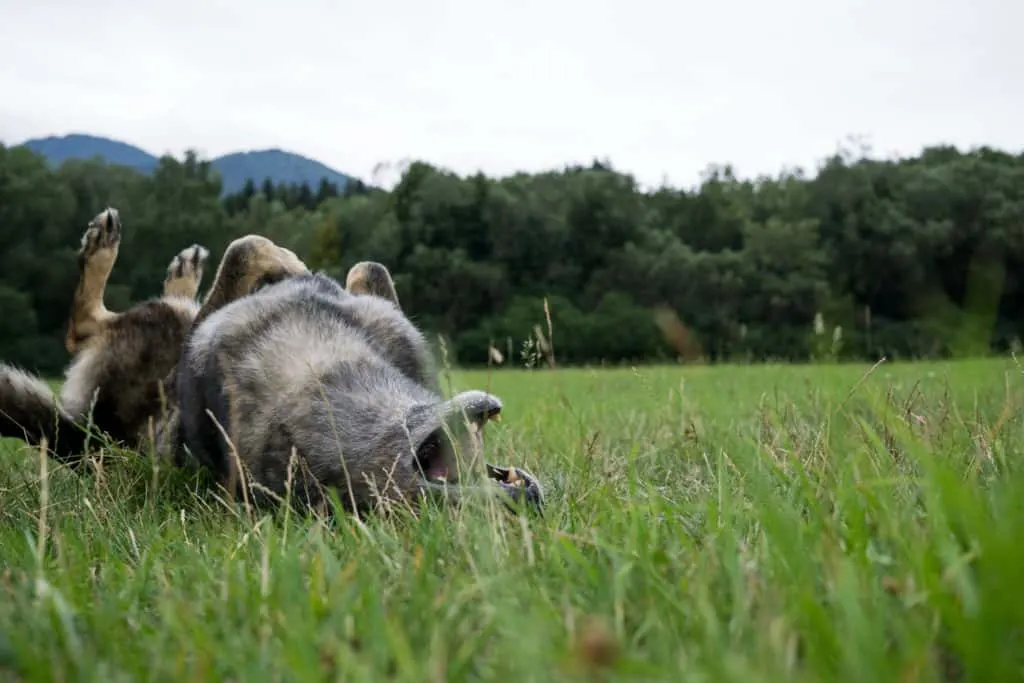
(248, 262)
(185, 272)
(96, 259)
(370, 277)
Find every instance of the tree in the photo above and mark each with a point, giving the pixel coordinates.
(912, 257)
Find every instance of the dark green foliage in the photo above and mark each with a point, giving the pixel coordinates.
(917, 257)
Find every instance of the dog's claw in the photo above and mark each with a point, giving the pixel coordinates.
(520, 485)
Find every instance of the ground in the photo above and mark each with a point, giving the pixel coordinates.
(766, 523)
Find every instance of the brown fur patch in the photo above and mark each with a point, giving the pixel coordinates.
(124, 367)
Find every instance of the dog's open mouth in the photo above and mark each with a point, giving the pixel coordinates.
(435, 456)
(435, 461)
(432, 459)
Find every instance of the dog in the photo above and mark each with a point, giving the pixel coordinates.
(275, 361)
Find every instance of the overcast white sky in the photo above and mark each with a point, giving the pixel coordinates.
(660, 88)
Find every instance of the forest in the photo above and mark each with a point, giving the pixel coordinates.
(905, 258)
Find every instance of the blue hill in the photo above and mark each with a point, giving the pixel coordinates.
(57, 150)
(278, 165)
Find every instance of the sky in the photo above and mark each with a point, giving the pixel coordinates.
(659, 89)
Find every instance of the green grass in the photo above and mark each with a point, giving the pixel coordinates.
(704, 524)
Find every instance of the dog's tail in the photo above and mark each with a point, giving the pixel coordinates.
(29, 411)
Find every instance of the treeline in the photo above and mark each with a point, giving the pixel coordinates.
(291, 195)
(918, 257)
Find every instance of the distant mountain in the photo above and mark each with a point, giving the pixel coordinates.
(278, 165)
(59, 149)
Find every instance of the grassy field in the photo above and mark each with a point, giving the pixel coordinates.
(704, 524)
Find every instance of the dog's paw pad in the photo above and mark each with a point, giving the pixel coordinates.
(104, 232)
(188, 263)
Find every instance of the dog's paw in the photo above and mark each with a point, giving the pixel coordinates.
(519, 485)
(188, 264)
(103, 233)
(185, 272)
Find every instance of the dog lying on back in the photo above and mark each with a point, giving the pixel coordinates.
(279, 377)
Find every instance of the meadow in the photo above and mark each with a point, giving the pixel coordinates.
(732, 523)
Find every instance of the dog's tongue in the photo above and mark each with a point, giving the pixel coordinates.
(437, 470)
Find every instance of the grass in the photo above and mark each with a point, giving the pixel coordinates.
(704, 524)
